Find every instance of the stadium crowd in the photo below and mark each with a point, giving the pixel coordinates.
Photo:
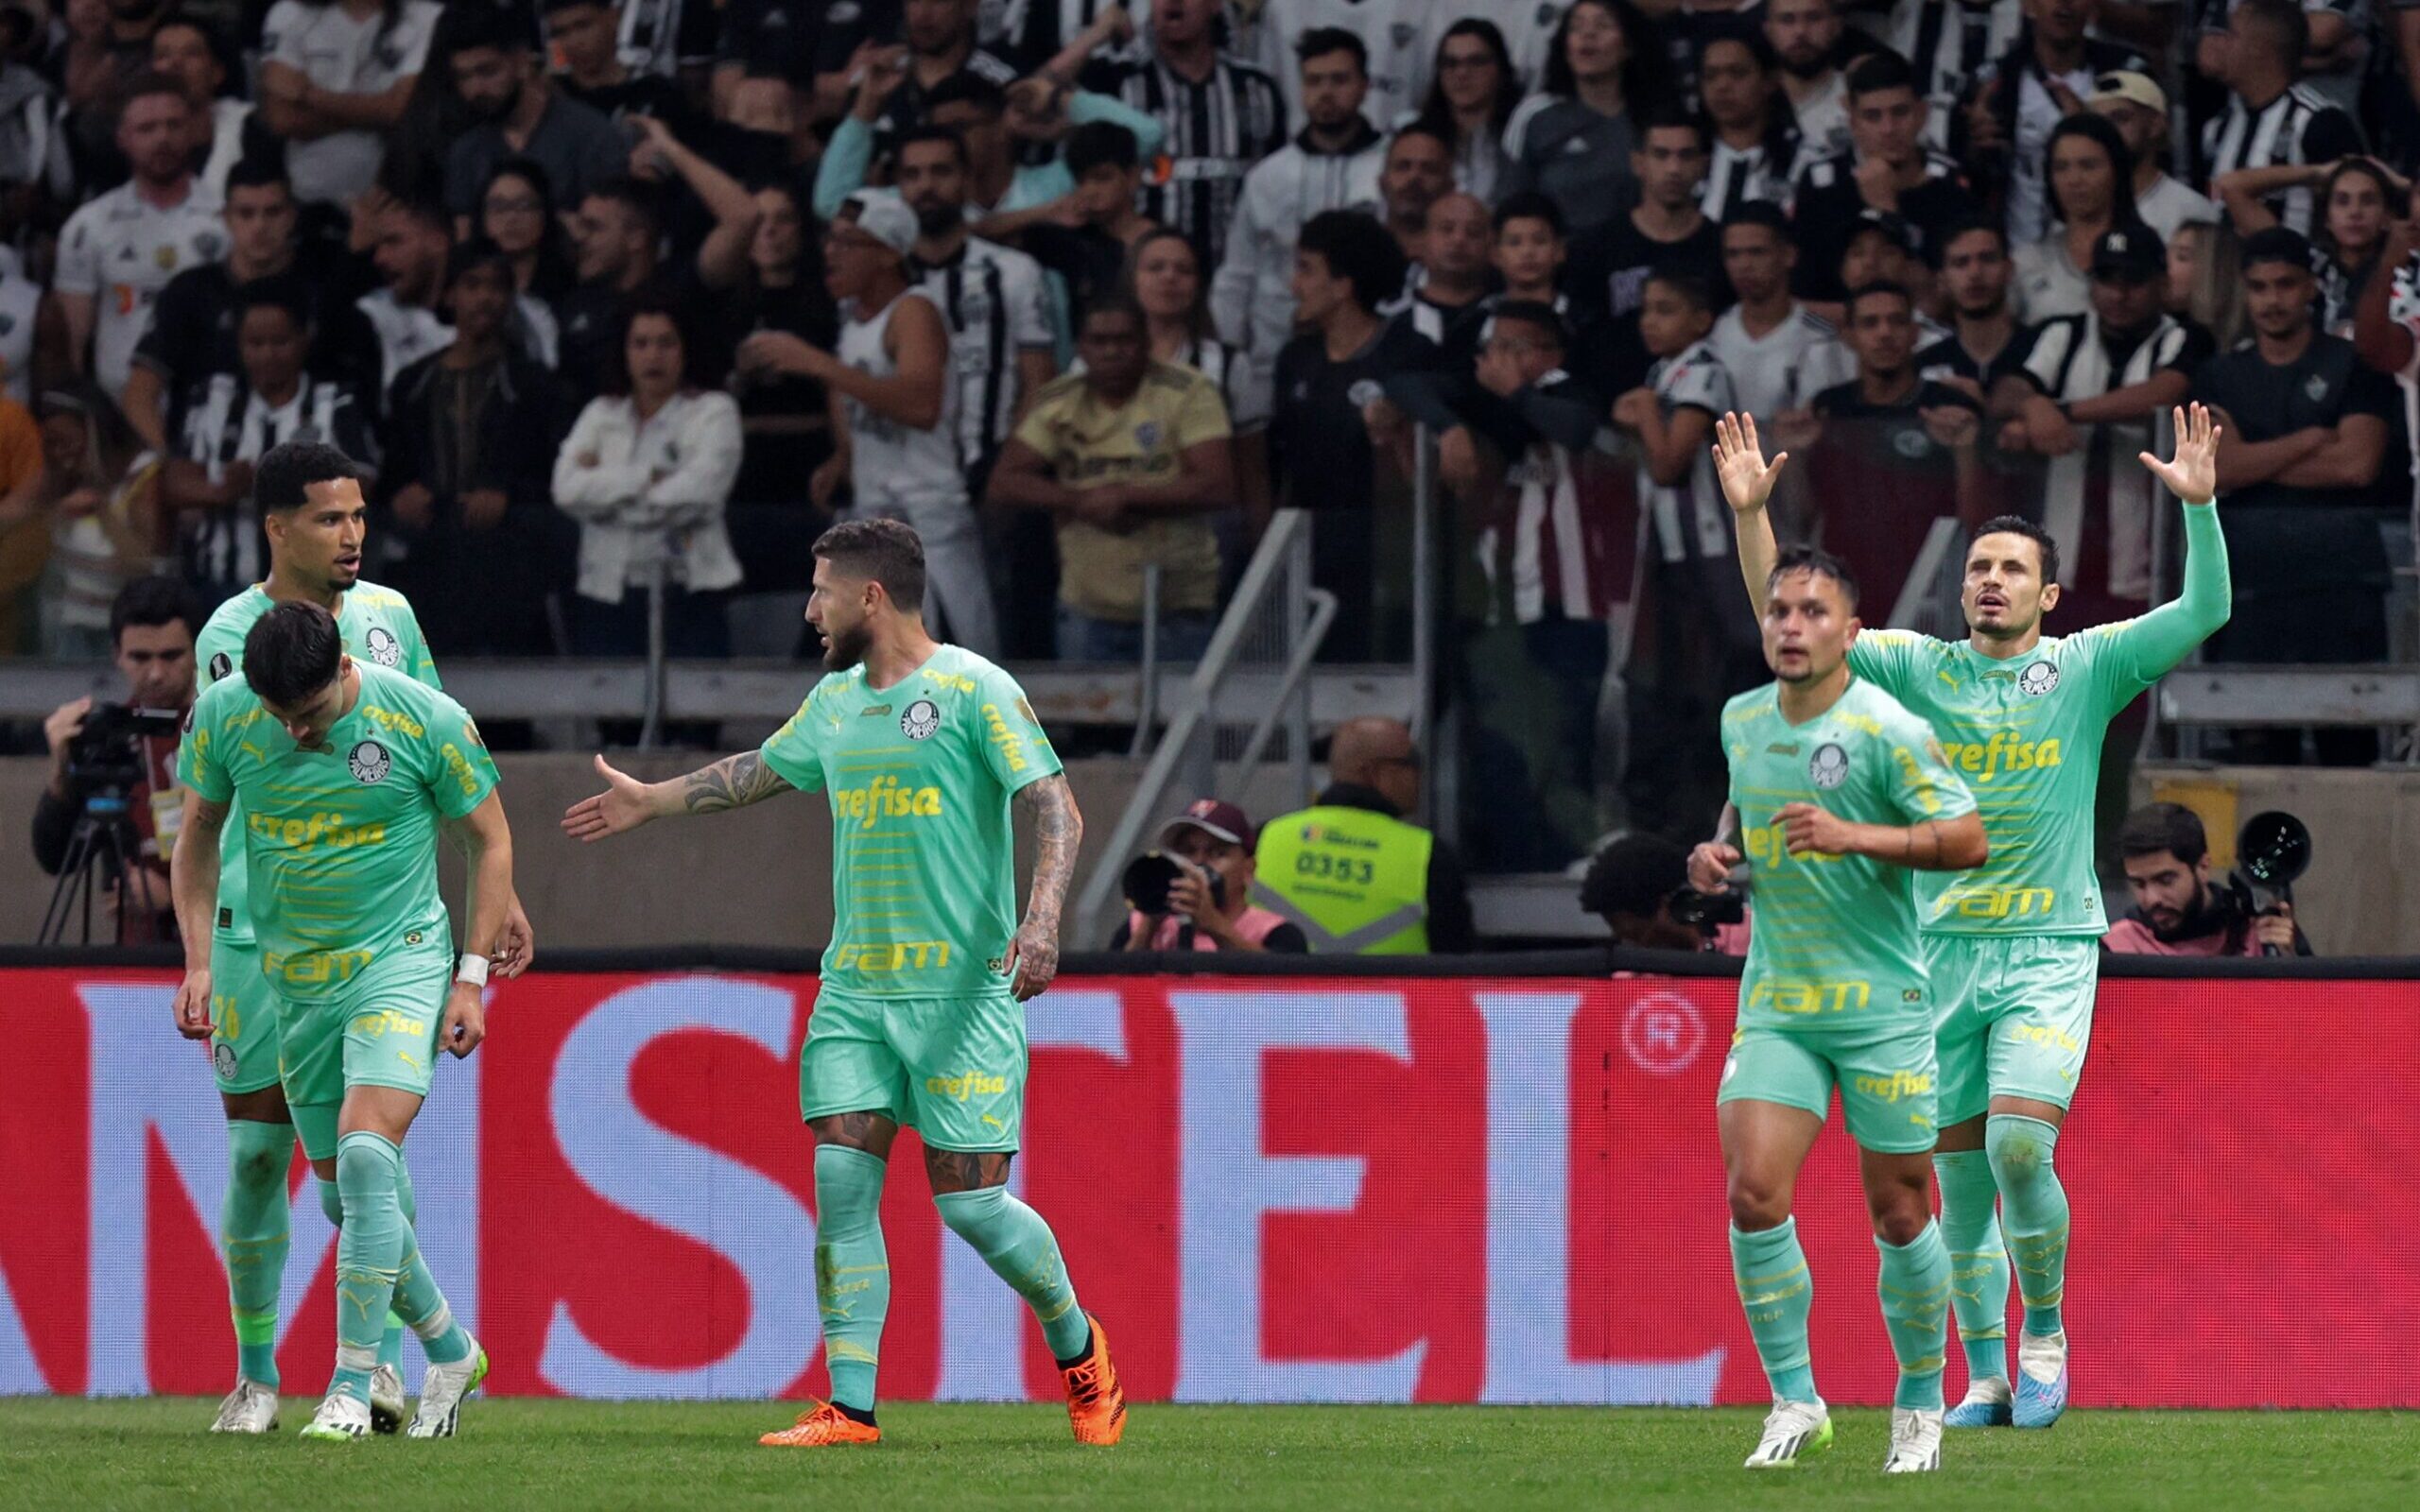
(608, 292)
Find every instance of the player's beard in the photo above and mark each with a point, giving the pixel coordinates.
(843, 649)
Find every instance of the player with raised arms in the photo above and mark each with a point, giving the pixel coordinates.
(345, 772)
(312, 511)
(1840, 792)
(2013, 945)
(919, 748)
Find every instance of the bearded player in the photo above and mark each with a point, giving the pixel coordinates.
(347, 774)
(919, 748)
(2013, 945)
(1838, 792)
(313, 514)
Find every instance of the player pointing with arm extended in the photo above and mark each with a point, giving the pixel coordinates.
(1840, 792)
(346, 772)
(2012, 944)
(919, 748)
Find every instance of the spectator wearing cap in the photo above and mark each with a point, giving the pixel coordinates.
(518, 112)
(1894, 452)
(2020, 98)
(1211, 907)
(897, 448)
(2137, 107)
(1353, 871)
(471, 434)
(1333, 163)
(1887, 169)
(2276, 136)
(2091, 188)
(2096, 390)
(2301, 461)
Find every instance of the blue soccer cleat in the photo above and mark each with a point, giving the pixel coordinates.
(1986, 1406)
(2041, 1378)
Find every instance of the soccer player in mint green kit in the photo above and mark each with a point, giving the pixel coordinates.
(920, 748)
(313, 513)
(2013, 944)
(346, 773)
(1839, 793)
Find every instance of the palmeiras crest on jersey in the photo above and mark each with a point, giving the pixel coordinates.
(370, 762)
(921, 719)
(2037, 680)
(384, 648)
(1829, 766)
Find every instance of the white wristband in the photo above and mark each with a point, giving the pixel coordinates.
(473, 970)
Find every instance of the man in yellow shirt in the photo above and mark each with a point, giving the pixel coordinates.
(1131, 455)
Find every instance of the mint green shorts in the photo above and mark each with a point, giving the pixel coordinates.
(953, 1069)
(243, 1018)
(2013, 1017)
(380, 1030)
(1886, 1079)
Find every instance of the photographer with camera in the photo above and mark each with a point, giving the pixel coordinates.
(1640, 885)
(2179, 910)
(1195, 892)
(113, 800)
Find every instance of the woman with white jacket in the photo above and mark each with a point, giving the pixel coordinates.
(646, 472)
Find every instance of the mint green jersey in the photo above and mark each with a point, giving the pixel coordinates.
(340, 841)
(2025, 734)
(1835, 947)
(923, 858)
(379, 629)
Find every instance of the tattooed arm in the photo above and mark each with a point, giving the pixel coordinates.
(732, 782)
(1057, 829)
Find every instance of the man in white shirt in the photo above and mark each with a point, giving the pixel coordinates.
(335, 78)
(119, 251)
(2137, 107)
(410, 249)
(1779, 354)
(1806, 35)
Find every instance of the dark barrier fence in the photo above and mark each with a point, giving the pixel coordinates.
(1487, 1179)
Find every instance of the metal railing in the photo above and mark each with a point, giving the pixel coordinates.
(1277, 616)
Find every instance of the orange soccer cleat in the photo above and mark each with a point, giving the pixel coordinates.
(823, 1424)
(1096, 1403)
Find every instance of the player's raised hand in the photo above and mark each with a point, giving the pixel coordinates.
(2194, 475)
(193, 1006)
(466, 1023)
(622, 806)
(1740, 462)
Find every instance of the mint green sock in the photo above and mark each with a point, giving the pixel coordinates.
(851, 1269)
(1970, 1226)
(1914, 1287)
(1021, 1250)
(2036, 1212)
(252, 1236)
(369, 1253)
(1777, 1291)
(420, 1306)
(391, 1344)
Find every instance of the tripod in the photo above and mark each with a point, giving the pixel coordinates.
(103, 851)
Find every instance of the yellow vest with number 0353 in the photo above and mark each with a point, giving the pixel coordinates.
(1357, 882)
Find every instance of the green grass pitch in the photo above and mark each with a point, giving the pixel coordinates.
(95, 1455)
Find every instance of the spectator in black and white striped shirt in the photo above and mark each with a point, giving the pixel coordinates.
(2276, 137)
(1223, 116)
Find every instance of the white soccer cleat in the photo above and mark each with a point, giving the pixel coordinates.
(441, 1392)
(386, 1399)
(1915, 1441)
(250, 1408)
(339, 1419)
(1793, 1430)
